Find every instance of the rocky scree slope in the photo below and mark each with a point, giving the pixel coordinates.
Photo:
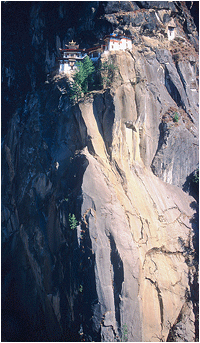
(128, 271)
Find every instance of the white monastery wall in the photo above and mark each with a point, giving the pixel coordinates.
(171, 33)
(112, 44)
(122, 44)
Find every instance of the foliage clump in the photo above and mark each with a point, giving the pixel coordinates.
(81, 288)
(125, 333)
(82, 79)
(107, 71)
(91, 76)
(176, 117)
(72, 221)
(195, 178)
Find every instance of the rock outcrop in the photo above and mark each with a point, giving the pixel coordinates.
(99, 241)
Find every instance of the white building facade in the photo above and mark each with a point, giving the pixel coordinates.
(171, 29)
(116, 43)
(171, 33)
(68, 63)
(73, 54)
(70, 56)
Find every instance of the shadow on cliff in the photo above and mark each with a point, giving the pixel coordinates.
(191, 187)
(191, 294)
(104, 113)
(73, 273)
(48, 279)
(194, 284)
(118, 270)
(163, 137)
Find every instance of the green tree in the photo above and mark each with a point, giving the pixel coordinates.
(107, 71)
(80, 75)
(196, 176)
(72, 221)
(82, 78)
(89, 71)
(125, 333)
(75, 91)
(176, 117)
(81, 288)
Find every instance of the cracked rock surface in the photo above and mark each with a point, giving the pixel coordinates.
(124, 267)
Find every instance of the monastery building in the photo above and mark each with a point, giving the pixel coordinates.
(114, 42)
(72, 53)
(70, 56)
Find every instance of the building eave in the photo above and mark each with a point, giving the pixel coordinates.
(94, 48)
(118, 37)
(72, 50)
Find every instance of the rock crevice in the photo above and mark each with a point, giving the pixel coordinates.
(99, 241)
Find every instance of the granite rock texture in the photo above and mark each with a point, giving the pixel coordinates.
(116, 162)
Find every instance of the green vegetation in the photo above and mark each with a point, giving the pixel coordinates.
(72, 221)
(82, 79)
(107, 71)
(176, 117)
(125, 333)
(81, 288)
(91, 76)
(195, 178)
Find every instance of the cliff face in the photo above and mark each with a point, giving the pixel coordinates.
(116, 160)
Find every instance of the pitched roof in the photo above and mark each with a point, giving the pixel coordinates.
(117, 37)
(72, 50)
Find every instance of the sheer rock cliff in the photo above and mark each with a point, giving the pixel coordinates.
(116, 160)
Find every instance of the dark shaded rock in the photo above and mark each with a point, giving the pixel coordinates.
(157, 5)
(166, 18)
(172, 81)
(165, 164)
(116, 6)
(149, 29)
(137, 19)
(194, 10)
(151, 25)
(91, 281)
(191, 185)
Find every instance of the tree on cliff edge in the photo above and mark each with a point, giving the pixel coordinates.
(83, 76)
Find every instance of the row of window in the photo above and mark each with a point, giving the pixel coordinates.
(112, 46)
(71, 55)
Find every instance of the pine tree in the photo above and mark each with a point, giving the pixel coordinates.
(89, 70)
(75, 91)
(80, 75)
(72, 221)
(83, 76)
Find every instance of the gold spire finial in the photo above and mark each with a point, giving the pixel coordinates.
(72, 45)
(72, 42)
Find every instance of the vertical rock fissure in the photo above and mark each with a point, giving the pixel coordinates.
(164, 134)
(159, 299)
(87, 288)
(172, 336)
(89, 160)
(108, 117)
(172, 89)
(118, 277)
(181, 76)
(185, 88)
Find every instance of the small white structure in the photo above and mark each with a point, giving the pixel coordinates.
(171, 28)
(171, 32)
(117, 42)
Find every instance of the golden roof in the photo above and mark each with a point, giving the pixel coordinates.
(72, 45)
(72, 42)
